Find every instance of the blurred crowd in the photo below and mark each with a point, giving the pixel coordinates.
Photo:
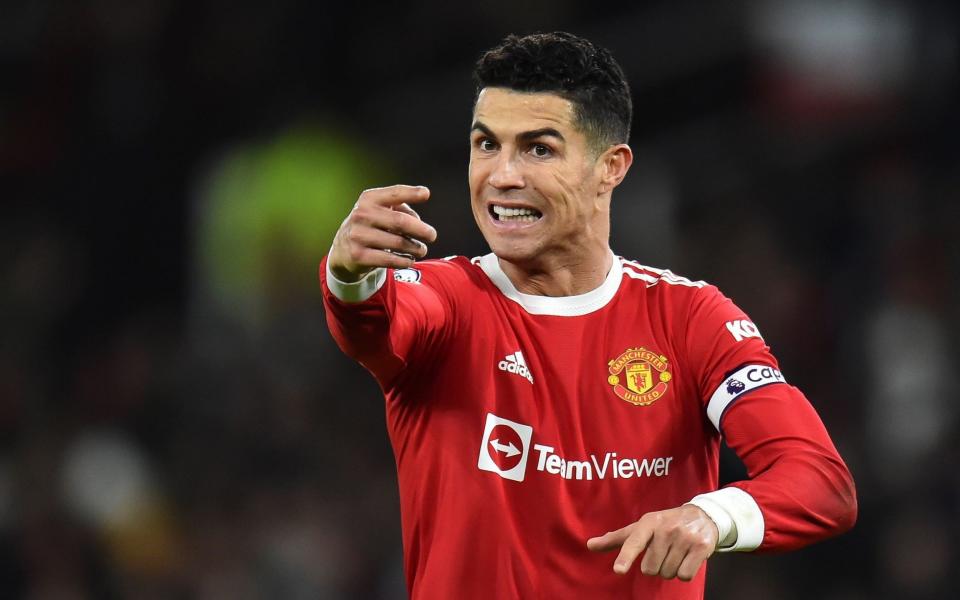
(176, 421)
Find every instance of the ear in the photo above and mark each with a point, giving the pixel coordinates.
(614, 164)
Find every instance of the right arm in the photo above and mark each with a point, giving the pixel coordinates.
(381, 231)
(372, 320)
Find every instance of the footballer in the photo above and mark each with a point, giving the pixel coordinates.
(555, 409)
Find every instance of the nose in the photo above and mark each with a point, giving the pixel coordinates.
(506, 173)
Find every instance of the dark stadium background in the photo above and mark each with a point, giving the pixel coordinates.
(175, 421)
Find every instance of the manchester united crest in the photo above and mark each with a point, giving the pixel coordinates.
(639, 376)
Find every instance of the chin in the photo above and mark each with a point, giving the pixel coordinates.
(513, 252)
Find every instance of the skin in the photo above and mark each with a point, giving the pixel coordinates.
(566, 251)
(674, 543)
(526, 151)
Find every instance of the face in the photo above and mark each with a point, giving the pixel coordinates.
(536, 188)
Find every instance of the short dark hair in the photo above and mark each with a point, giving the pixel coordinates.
(571, 67)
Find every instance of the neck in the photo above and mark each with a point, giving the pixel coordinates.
(571, 276)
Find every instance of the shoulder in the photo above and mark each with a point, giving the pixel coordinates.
(450, 266)
(702, 303)
(449, 271)
(666, 280)
(679, 297)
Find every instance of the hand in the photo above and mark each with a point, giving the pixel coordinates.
(675, 542)
(381, 231)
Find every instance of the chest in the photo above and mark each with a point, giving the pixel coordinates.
(610, 387)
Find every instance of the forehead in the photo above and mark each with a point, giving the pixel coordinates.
(503, 109)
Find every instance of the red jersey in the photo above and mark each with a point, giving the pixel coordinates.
(524, 425)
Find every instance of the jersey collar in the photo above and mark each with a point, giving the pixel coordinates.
(560, 306)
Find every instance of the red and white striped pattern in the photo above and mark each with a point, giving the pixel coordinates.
(653, 275)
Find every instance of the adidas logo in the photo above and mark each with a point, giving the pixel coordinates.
(515, 364)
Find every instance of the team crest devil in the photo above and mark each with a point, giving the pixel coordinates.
(639, 376)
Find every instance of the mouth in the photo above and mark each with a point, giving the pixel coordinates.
(501, 213)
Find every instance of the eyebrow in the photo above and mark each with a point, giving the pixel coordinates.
(525, 136)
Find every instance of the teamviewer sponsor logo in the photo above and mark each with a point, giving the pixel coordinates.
(514, 363)
(601, 468)
(505, 448)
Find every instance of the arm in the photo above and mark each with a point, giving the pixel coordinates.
(799, 490)
(381, 231)
(370, 319)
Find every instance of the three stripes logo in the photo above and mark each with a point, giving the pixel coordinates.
(514, 363)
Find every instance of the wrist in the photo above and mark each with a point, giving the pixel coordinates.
(356, 291)
(736, 506)
(726, 528)
(345, 275)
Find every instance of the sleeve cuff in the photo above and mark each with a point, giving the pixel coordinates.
(357, 291)
(738, 518)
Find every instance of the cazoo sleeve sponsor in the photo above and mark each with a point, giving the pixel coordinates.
(743, 380)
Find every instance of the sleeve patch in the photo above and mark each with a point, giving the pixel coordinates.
(742, 329)
(407, 275)
(738, 383)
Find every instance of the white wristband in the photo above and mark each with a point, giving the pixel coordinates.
(726, 530)
(738, 518)
(357, 291)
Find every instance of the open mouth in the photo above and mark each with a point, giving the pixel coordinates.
(514, 215)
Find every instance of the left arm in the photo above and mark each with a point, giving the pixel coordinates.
(799, 490)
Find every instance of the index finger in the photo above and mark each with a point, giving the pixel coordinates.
(395, 195)
(610, 540)
(635, 544)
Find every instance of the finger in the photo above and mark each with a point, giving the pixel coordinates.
(691, 563)
(405, 208)
(610, 540)
(653, 557)
(671, 563)
(395, 222)
(637, 542)
(413, 227)
(372, 257)
(384, 240)
(394, 195)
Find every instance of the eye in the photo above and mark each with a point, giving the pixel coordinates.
(487, 145)
(541, 150)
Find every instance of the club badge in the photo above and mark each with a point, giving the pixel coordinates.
(639, 376)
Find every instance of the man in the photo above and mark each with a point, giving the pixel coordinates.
(551, 391)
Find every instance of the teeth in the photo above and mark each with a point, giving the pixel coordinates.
(525, 215)
(511, 212)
